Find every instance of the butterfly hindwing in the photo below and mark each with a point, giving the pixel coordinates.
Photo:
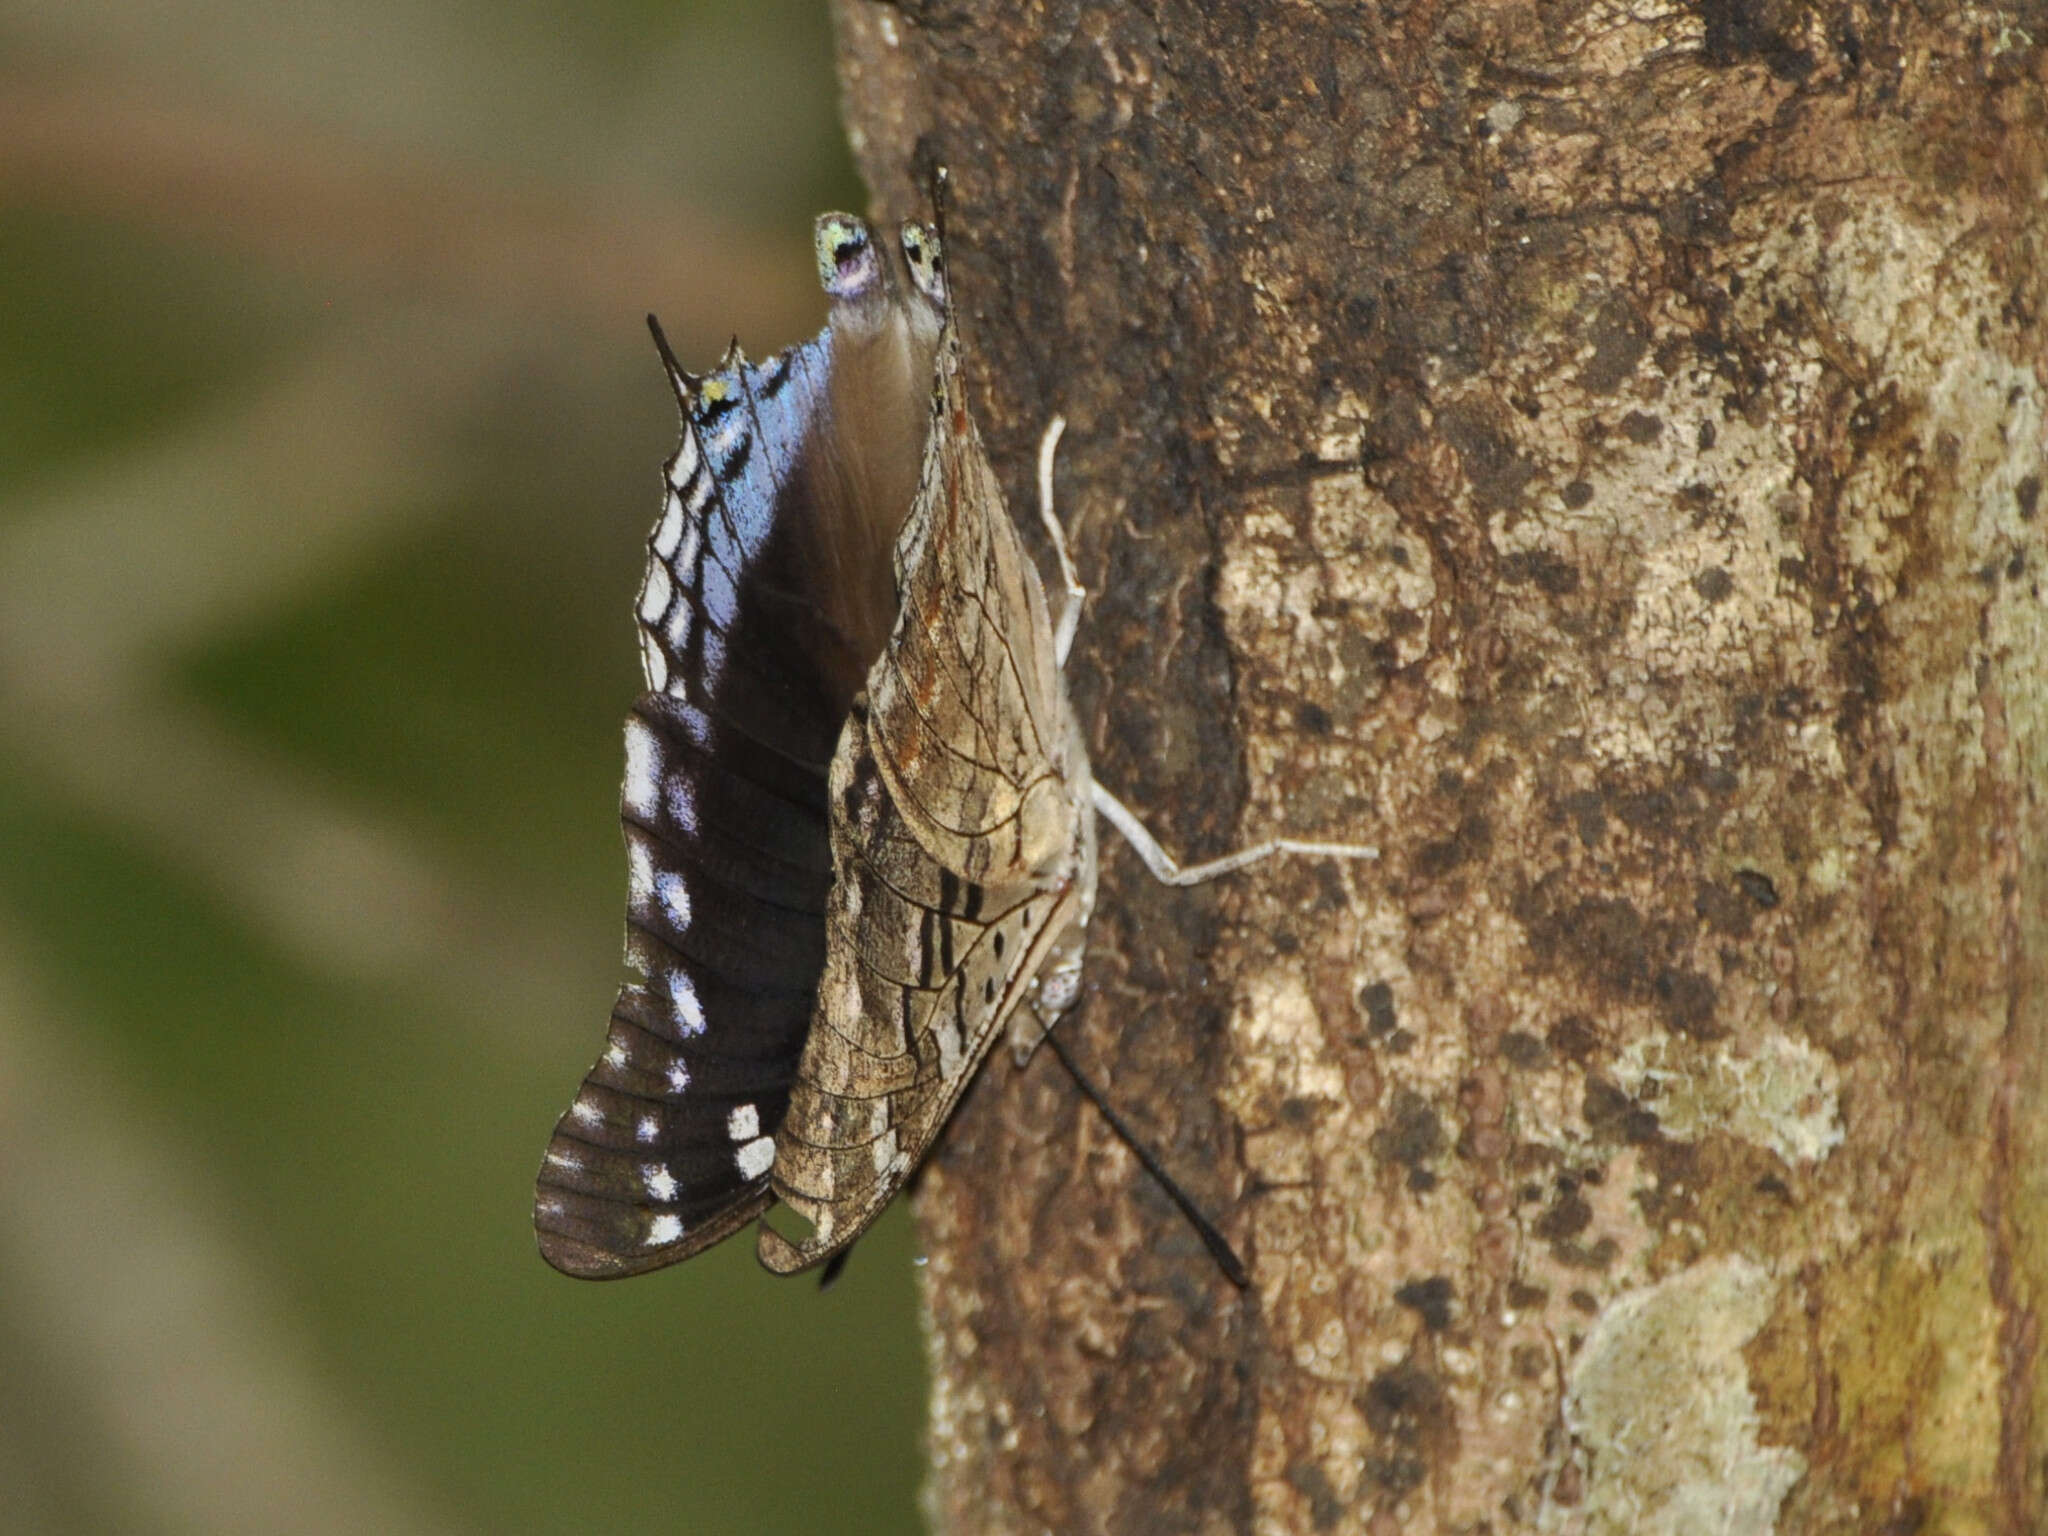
(958, 829)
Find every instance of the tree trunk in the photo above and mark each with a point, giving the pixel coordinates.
(1595, 453)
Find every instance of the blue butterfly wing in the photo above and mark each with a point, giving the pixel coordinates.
(767, 594)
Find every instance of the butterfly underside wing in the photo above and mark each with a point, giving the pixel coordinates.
(963, 851)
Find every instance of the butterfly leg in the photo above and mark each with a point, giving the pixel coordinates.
(1070, 612)
(1168, 872)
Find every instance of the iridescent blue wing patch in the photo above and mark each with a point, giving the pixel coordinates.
(767, 595)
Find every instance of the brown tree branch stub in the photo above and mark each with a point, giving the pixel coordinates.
(1597, 455)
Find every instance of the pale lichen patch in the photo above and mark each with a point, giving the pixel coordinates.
(1660, 1407)
(1783, 1095)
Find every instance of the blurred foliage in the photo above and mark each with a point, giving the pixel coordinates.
(329, 437)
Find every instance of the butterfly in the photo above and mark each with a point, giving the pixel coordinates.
(858, 812)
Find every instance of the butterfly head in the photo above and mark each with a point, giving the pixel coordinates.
(923, 256)
(849, 262)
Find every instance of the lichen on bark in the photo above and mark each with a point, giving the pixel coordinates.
(1596, 454)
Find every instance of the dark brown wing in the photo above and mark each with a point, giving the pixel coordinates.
(768, 592)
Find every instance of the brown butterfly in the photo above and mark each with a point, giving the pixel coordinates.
(857, 806)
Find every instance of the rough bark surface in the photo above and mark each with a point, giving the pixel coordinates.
(1595, 452)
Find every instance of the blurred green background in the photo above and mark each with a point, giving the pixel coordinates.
(329, 436)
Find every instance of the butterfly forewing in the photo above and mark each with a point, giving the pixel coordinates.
(765, 597)
(957, 795)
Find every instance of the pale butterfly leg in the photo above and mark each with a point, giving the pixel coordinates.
(1168, 872)
(1070, 611)
(1163, 866)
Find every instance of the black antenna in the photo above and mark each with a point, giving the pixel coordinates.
(1218, 1245)
(676, 375)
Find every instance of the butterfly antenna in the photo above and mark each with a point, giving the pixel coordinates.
(940, 179)
(1218, 1245)
(678, 380)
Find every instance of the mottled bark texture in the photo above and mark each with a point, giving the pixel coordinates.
(1595, 452)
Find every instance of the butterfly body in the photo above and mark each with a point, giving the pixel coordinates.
(856, 803)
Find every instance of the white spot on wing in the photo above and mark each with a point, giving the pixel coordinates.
(653, 665)
(568, 1162)
(583, 1112)
(661, 1184)
(664, 1229)
(689, 1012)
(682, 806)
(744, 1123)
(678, 1075)
(614, 1055)
(670, 532)
(675, 896)
(686, 454)
(885, 1152)
(756, 1157)
(648, 1128)
(655, 593)
(643, 767)
(639, 870)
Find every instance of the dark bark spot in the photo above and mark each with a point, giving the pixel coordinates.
(1612, 1115)
(1574, 1038)
(1650, 810)
(1431, 1298)
(1298, 1111)
(1579, 1256)
(1559, 578)
(1471, 841)
(1723, 910)
(1705, 436)
(1619, 339)
(1325, 1509)
(2028, 495)
(1714, 584)
(1412, 1134)
(1377, 999)
(1577, 494)
(1589, 809)
(1686, 999)
(1523, 1049)
(1524, 1297)
(1403, 1403)
(1570, 1216)
(1641, 428)
(1757, 886)
(1603, 938)
(1398, 1473)
(1531, 1361)
(1314, 719)
(1496, 471)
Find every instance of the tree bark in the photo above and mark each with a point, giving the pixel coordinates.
(1596, 453)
